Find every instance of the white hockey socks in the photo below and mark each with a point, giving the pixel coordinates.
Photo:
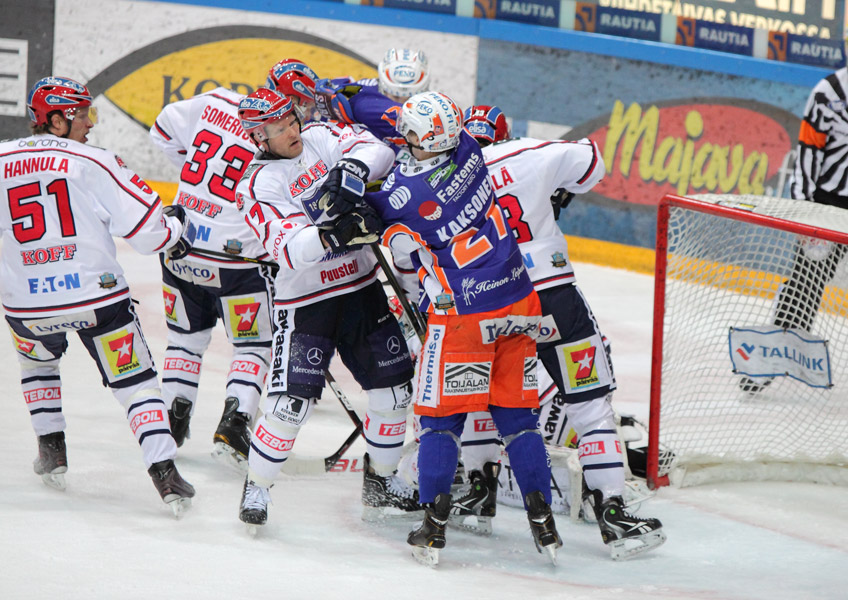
(246, 379)
(42, 389)
(384, 427)
(148, 419)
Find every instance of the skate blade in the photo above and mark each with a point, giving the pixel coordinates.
(252, 529)
(372, 514)
(228, 457)
(551, 551)
(429, 557)
(178, 505)
(627, 548)
(483, 525)
(55, 480)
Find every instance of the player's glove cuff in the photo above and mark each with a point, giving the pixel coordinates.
(344, 187)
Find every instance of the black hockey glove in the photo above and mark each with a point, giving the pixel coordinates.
(344, 187)
(187, 235)
(353, 230)
(560, 200)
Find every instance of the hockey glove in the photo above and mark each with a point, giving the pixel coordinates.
(560, 200)
(187, 235)
(344, 187)
(353, 230)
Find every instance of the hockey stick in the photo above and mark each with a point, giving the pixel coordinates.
(414, 315)
(214, 253)
(296, 465)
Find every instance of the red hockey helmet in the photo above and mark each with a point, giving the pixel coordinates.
(486, 124)
(56, 93)
(294, 79)
(262, 108)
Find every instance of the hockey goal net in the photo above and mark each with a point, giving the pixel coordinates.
(749, 376)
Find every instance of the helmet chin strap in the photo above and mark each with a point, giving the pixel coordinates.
(410, 145)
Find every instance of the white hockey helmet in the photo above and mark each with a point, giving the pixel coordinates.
(435, 119)
(403, 73)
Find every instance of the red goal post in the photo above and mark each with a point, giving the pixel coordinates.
(749, 373)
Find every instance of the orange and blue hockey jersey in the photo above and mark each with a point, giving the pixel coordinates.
(444, 226)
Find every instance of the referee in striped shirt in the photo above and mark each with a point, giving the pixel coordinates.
(820, 175)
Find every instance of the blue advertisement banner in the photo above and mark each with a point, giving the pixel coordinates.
(815, 51)
(536, 12)
(447, 7)
(714, 36)
(614, 21)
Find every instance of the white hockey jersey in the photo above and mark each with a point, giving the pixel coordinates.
(280, 198)
(203, 136)
(524, 173)
(60, 204)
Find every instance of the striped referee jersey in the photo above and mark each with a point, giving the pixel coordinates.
(821, 160)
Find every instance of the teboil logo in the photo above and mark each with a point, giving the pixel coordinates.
(182, 364)
(49, 393)
(393, 428)
(272, 441)
(244, 366)
(481, 425)
(591, 449)
(145, 418)
(175, 68)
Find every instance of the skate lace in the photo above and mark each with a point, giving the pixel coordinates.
(256, 497)
(398, 487)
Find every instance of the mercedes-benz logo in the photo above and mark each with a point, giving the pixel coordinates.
(314, 356)
(393, 345)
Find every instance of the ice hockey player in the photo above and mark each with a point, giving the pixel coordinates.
(60, 274)
(216, 280)
(327, 298)
(534, 180)
(372, 103)
(442, 222)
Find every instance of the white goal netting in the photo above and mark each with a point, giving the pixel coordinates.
(753, 381)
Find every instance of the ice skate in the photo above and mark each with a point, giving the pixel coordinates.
(179, 415)
(542, 524)
(52, 461)
(232, 438)
(175, 491)
(387, 497)
(254, 506)
(479, 500)
(429, 537)
(625, 534)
